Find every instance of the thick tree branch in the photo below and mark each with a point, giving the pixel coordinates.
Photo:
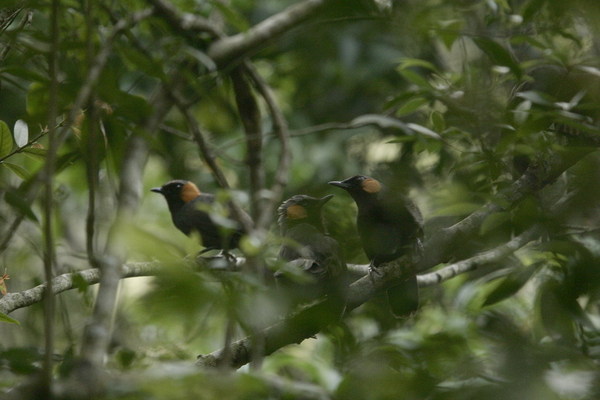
(183, 22)
(439, 247)
(307, 323)
(229, 49)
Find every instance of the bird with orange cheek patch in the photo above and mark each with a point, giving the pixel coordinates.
(311, 252)
(389, 226)
(190, 211)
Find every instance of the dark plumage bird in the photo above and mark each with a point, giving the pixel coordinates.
(310, 250)
(390, 226)
(191, 212)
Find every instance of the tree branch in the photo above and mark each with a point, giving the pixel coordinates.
(280, 127)
(183, 22)
(62, 283)
(487, 257)
(439, 247)
(304, 324)
(232, 48)
(251, 121)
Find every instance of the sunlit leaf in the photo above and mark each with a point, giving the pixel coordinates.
(589, 69)
(381, 121)
(537, 98)
(21, 133)
(415, 62)
(424, 131)
(6, 318)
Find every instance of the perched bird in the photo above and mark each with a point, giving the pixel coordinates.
(390, 226)
(191, 212)
(310, 250)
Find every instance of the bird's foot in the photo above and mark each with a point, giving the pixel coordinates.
(374, 272)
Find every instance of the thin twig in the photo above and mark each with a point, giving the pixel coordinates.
(487, 257)
(61, 283)
(208, 156)
(48, 182)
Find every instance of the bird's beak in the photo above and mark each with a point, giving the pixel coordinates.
(341, 184)
(156, 190)
(325, 199)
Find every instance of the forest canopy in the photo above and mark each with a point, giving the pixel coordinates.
(484, 113)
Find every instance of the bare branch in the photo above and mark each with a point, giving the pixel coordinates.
(439, 247)
(487, 257)
(64, 282)
(183, 22)
(280, 128)
(239, 46)
(250, 116)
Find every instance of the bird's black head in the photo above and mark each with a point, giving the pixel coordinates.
(359, 185)
(178, 192)
(302, 209)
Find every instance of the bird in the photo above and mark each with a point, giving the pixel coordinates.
(191, 213)
(309, 250)
(389, 225)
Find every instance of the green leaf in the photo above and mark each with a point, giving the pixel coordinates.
(493, 221)
(449, 31)
(437, 121)
(232, 16)
(37, 153)
(24, 73)
(14, 199)
(416, 62)
(510, 285)
(415, 77)
(498, 54)
(6, 318)
(37, 99)
(6, 140)
(411, 106)
(17, 170)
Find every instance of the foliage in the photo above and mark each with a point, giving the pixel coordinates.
(449, 101)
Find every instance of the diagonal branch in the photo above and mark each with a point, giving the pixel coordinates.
(229, 49)
(487, 257)
(439, 247)
(308, 322)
